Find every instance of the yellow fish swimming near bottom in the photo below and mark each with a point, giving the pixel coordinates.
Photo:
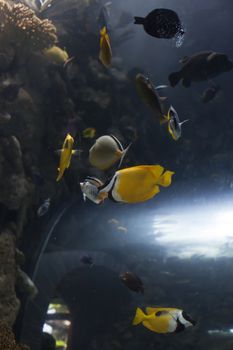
(163, 320)
(131, 185)
(65, 155)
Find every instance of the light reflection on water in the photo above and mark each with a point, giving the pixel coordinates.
(190, 230)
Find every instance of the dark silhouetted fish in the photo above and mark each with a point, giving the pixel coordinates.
(149, 95)
(132, 281)
(161, 23)
(201, 66)
(87, 260)
(210, 93)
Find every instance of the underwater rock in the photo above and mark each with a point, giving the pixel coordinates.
(25, 284)
(9, 90)
(7, 339)
(9, 303)
(19, 257)
(99, 97)
(7, 58)
(14, 187)
(4, 118)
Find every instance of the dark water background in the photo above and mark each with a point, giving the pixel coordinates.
(180, 243)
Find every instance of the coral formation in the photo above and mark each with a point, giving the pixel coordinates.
(7, 339)
(9, 303)
(21, 27)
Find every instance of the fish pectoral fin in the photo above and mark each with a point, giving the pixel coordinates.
(102, 196)
(58, 152)
(184, 59)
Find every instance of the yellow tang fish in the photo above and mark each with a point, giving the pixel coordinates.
(163, 320)
(130, 185)
(105, 54)
(65, 155)
(89, 133)
(136, 184)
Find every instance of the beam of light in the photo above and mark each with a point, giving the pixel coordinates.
(196, 230)
(47, 328)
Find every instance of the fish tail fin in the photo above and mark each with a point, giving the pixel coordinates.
(166, 179)
(123, 153)
(174, 78)
(58, 177)
(139, 20)
(139, 317)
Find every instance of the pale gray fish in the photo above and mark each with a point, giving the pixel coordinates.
(43, 209)
(90, 189)
(174, 124)
(106, 151)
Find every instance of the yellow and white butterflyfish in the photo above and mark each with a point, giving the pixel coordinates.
(174, 124)
(136, 184)
(163, 320)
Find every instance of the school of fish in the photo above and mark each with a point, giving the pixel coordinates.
(141, 183)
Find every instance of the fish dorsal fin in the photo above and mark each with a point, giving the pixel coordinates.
(117, 142)
(211, 56)
(184, 59)
(123, 154)
(151, 310)
(160, 87)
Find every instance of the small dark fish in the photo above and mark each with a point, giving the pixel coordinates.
(87, 260)
(43, 209)
(161, 23)
(201, 66)
(209, 94)
(132, 281)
